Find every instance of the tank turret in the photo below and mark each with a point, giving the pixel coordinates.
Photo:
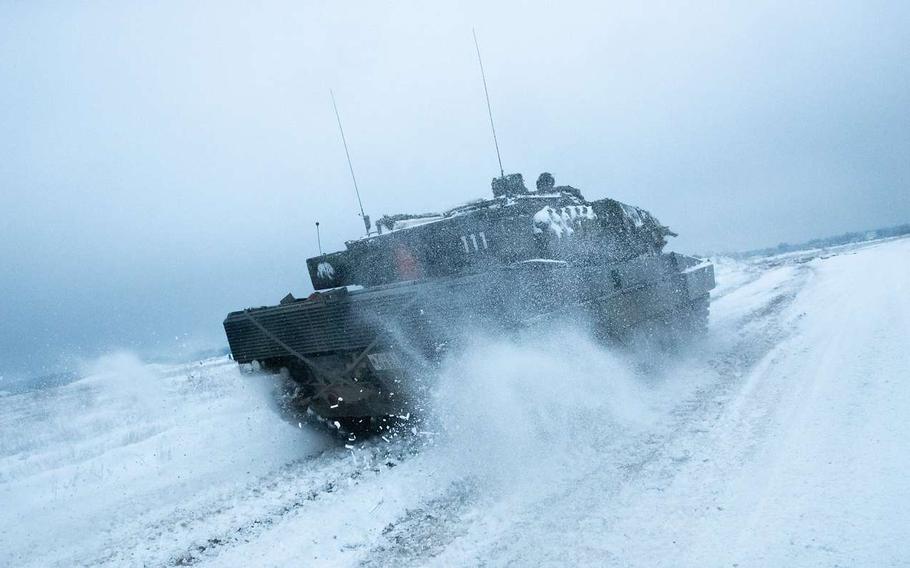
(554, 222)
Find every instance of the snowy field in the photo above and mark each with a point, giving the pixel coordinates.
(779, 440)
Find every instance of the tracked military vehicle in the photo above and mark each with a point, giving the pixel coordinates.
(362, 347)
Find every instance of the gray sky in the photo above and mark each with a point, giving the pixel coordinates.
(163, 163)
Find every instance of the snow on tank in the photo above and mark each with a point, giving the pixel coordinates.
(562, 220)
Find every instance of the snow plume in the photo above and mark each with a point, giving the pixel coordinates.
(121, 379)
(536, 406)
(127, 443)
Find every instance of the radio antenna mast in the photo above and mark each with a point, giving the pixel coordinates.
(364, 216)
(489, 108)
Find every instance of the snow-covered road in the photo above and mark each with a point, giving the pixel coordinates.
(780, 440)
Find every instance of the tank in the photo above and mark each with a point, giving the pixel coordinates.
(389, 308)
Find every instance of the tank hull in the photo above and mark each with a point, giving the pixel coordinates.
(371, 353)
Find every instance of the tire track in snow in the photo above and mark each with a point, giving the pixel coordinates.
(425, 531)
(263, 503)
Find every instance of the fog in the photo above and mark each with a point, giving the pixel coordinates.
(163, 163)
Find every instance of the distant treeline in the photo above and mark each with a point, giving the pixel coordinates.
(843, 239)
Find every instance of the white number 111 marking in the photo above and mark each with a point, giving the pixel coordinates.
(473, 237)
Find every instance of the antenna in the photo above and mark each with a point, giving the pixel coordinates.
(489, 108)
(319, 239)
(366, 218)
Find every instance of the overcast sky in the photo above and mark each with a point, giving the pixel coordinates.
(163, 163)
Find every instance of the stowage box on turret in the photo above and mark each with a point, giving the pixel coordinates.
(392, 304)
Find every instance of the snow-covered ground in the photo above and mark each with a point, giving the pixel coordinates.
(780, 440)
